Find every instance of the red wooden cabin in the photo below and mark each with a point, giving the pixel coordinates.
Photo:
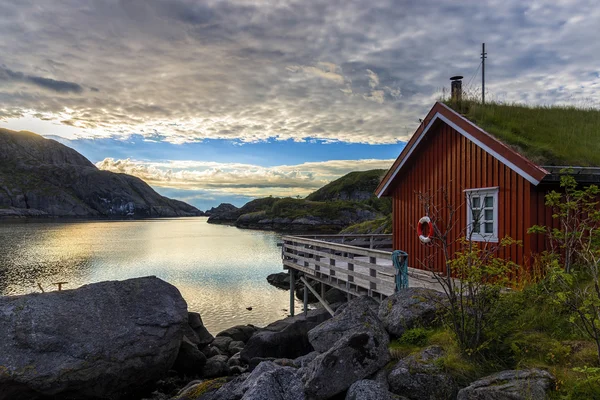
(450, 154)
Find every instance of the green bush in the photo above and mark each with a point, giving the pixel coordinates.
(415, 337)
(588, 386)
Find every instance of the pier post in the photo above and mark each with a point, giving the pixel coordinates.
(305, 300)
(292, 290)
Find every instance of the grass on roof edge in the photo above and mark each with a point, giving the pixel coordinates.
(547, 135)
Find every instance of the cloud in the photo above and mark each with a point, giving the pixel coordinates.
(8, 75)
(240, 179)
(323, 70)
(253, 70)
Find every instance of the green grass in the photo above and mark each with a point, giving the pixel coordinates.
(546, 135)
(363, 181)
(352, 183)
(296, 208)
(379, 226)
(529, 331)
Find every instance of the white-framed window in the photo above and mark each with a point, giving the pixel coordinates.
(482, 214)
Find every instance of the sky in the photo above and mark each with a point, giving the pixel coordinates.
(224, 101)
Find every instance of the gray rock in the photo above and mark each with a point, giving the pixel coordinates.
(235, 389)
(381, 378)
(287, 338)
(278, 384)
(237, 370)
(419, 377)
(239, 333)
(222, 343)
(195, 322)
(409, 308)
(211, 351)
(190, 334)
(353, 357)
(302, 361)
(216, 366)
(364, 301)
(285, 362)
(531, 384)
(354, 316)
(334, 295)
(235, 347)
(280, 280)
(256, 361)
(368, 390)
(95, 341)
(234, 360)
(189, 360)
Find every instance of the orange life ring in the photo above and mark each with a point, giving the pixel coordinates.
(425, 221)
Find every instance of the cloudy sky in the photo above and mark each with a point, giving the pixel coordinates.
(212, 101)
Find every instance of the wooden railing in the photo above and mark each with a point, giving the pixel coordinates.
(353, 263)
(381, 241)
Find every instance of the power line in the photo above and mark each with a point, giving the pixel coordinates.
(475, 73)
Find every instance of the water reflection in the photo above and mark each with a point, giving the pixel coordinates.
(220, 270)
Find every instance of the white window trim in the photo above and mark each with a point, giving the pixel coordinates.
(482, 237)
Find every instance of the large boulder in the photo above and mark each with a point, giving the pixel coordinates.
(203, 335)
(97, 341)
(190, 360)
(409, 308)
(287, 338)
(531, 384)
(369, 390)
(354, 316)
(279, 384)
(268, 381)
(240, 333)
(216, 366)
(280, 280)
(353, 357)
(420, 377)
(222, 343)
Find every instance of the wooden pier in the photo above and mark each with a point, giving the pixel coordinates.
(355, 264)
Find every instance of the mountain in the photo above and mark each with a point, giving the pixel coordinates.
(41, 177)
(344, 202)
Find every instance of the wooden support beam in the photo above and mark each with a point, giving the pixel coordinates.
(321, 300)
(305, 296)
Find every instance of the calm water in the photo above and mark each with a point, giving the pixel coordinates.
(220, 270)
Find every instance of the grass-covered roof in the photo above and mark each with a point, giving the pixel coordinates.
(565, 136)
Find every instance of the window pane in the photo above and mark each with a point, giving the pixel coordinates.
(489, 201)
(476, 227)
(489, 215)
(476, 214)
(475, 202)
(489, 227)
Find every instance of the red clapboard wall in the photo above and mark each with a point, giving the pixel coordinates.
(447, 162)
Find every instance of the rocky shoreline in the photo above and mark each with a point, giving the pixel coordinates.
(135, 339)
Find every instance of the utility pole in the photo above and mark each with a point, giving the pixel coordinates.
(483, 57)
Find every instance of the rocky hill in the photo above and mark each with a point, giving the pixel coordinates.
(41, 177)
(344, 202)
(354, 186)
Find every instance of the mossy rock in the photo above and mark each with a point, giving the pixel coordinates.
(194, 392)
